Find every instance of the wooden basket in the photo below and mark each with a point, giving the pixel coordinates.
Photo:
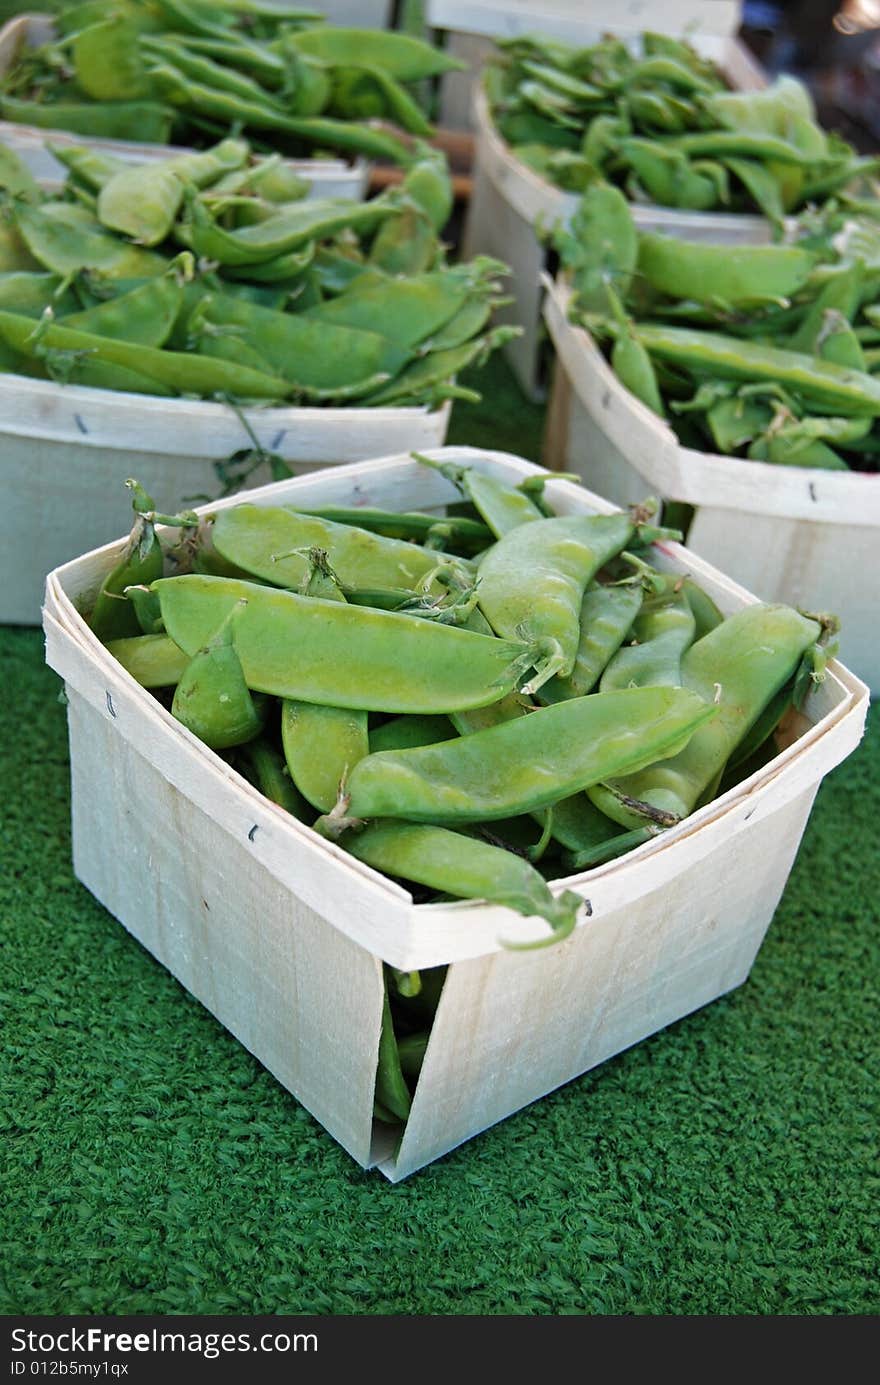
(281, 934)
(326, 177)
(510, 200)
(807, 537)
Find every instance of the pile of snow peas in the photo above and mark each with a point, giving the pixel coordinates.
(478, 703)
(660, 124)
(189, 70)
(768, 352)
(211, 275)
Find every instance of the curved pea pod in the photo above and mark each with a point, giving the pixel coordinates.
(841, 294)
(529, 762)
(606, 617)
(825, 386)
(438, 368)
(154, 661)
(666, 69)
(503, 507)
(308, 82)
(142, 201)
(113, 617)
(741, 665)
(761, 185)
(310, 355)
(321, 746)
(633, 367)
(428, 184)
(107, 61)
(406, 244)
(177, 371)
(66, 238)
(532, 583)
(792, 447)
(731, 274)
(402, 56)
(405, 310)
(706, 613)
(465, 867)
(212, 698)
(285, 271)
(146, 314)
(413, 525)
(664, 628)
(139, 120)
(90, 167)
(602, 245)
(357, 657)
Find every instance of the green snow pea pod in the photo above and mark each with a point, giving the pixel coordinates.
(741, 665)
(465, 867)
(14, 254)
(406, 243)
(400, 55)
(140, 120)
(309, 83)
(470, 320)
(212, 698)
(142, 201)
(275, 544)
(464, 532)
(391, 1099)
(16, 178)
(203, 69)
(428, 184)
(663, 630)
(435, 369)
(791, 447)
(27, 292)
(362, 92)
(146, 314)
(582, 93)
(602, 245)
(736, 421)
(357, 657)
(630, 361)
(256, 58)
(146, 609)
(732, 274)
(532, 583)
(550, 104)
(113, 617)
(721, 143)
(402, 733)
(823, 384)
(90, 167)
(235, 110)
(664, 69)
(658, 170)
(310, 354)
(706, 613)
(842, 294)
(503, 507)
(761, 185)
(609, 848)
(261, 763)
(655, 110)
(107, 61)
(528, 127)
(284, 270)
(321, 745)
(406, 310)
(290, 228)
(181, 372)
(527, 763)
(66, 238)
(607, 614)
(154, 661)
(602, 139)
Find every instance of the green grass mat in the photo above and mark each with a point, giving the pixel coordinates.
(150, 1165)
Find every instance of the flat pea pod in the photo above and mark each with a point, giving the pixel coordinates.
(14, 254)
(741, 664)
(503, 507)
(309, 355)
(465, 867)
(143, 202)
(402, 56)
(706, 613)
(402, 733)
(412, 525)
(606, 617)
(790, 447)
(391, 1100)
(733, 274)
(828, 387)
(428, 184)
(16, 178)
(529, 762)
(27, 292)
(664, 628)
(113, 617)
(321, 745)
(66, 238)
(275, 543)
(405, 310)
(735, 421)
(139, 120)
(182, 372)
(265, 768)
(406, 243)
(603, 246)
(107, 61)
(761, 186)
(91, 168)
(154, 661)
(632, 365)
(437, 369)
(532, 583)
(146, 315)
(357, 656)
(212, 698)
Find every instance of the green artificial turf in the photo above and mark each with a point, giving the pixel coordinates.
(150, 1165)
